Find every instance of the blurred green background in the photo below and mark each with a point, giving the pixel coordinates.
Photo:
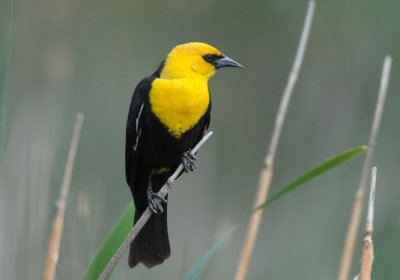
(88, 56)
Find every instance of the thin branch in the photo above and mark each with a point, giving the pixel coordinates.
(146, 215)
(58, 222)
(354, 224)
(367, 254)
(267, 171)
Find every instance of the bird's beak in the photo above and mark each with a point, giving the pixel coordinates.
(225, 61)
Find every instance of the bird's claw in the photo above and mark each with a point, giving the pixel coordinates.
(154, 201)
(187, 161)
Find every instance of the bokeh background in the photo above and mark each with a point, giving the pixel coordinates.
(71, 56)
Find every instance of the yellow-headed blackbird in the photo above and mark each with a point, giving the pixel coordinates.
(168, 114)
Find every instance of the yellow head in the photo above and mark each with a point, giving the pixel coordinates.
(195, 60)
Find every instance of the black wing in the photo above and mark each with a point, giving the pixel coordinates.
(135, 123)
(134, 127)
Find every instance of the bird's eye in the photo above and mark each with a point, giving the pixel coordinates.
(209, 58)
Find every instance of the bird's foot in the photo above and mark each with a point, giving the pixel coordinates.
(187, 161)
(154, 201)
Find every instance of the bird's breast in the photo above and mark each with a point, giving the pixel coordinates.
(179, 104)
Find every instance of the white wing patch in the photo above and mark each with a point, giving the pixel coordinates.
(137, 140)
(138, 117)
(138, 131)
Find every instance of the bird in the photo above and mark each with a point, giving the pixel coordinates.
(168, 114)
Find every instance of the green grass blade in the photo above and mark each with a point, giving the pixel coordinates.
(307, 176)
(111, 244)
(314, 172)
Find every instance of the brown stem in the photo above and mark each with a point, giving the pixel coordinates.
(58, 222)
(354, 224)
(367, 254)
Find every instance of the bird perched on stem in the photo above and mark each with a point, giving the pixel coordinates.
(168, 115)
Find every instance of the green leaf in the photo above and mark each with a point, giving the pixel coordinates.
(307, 176)
(314, 172)
(111, 244)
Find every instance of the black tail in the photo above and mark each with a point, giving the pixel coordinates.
(151, 246)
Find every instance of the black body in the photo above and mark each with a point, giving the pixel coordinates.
(149, 146)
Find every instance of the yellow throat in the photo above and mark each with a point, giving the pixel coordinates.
(179, 104)
(180, 97)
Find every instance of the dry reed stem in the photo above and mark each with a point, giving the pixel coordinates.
(354, 224)
(367, 254)
(267, 171)
(146, 215)
(58, 222)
